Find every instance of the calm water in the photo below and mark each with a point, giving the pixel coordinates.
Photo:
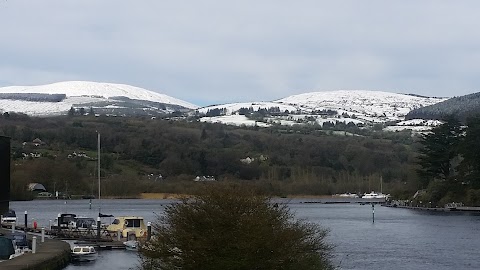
(399, 238)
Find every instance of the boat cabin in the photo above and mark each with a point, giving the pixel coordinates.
(83, 250)
(6, 248)
(9, 217)
(65, 221)
(19, 238)
(85, 223)
(130, 227)
(84, 253)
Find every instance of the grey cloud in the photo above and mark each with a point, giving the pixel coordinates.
(221, 51)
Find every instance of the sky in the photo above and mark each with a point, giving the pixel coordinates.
(216, 51)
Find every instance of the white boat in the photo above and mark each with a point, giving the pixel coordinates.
(131, 245)
(9, 217)
(346, 195)
(84, 253)
(374, 195)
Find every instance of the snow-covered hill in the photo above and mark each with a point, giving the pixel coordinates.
(114, 98)
(375, 106)
(347, 107)
(359, 107)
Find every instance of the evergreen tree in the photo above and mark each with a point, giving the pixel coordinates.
(470, 150)
(440, 149)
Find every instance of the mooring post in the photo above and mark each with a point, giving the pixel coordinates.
(13, 227)
(149, 231)
(34, 244)
(90, 203)
(98, 227)
(119, 235)
(49, 224)
(26, 220)
(373, 212)
(43, 234)
(58, 222)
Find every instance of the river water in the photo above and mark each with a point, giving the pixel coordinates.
(398, 239)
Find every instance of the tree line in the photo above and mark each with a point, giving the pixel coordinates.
(296, 160)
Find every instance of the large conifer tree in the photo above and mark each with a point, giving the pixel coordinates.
(470, 150)
(440, 149)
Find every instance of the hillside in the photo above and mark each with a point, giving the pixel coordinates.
(107, 98)
(460, 107)
(329, 109)
(140, 154)
(357, 107)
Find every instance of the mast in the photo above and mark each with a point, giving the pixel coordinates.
(98, 157)
(381, 184)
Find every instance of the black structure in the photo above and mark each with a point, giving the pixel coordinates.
(4, 174)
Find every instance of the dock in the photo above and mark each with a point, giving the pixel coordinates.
(339, 200)
(107, 241)
(466, 209)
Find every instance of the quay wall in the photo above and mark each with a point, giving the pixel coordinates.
(51, 255)
(438, 209)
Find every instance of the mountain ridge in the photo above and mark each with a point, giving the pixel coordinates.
(96, 89)
(105, 98)
(357, 107)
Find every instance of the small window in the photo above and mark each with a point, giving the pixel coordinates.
(132, 223)
(77, 249)
(136, 223)
(116, 221)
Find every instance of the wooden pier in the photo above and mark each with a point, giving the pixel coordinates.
(107, 240)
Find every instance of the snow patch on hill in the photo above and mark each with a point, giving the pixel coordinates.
(236, 120)
(98, 90)
(362, 102)
(358, 107)
(232, 108)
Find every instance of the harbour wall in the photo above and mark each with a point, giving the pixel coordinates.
(50, 255)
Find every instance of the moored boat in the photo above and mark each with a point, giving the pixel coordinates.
(375, 195)
(130, 227)
(11, 247)
(131, 245)
(84, 253)
(346, 195)
(9, 217)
